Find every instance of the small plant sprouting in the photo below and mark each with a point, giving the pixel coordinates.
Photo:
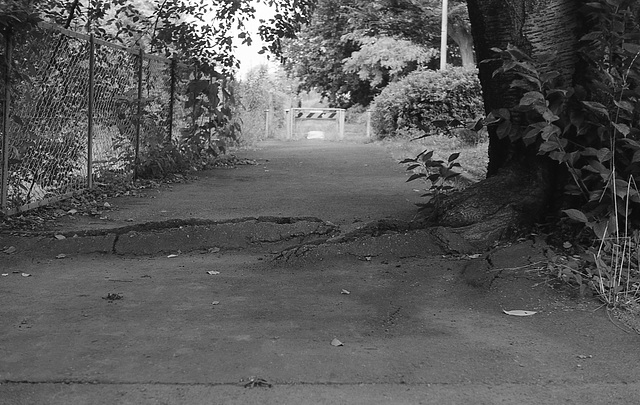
(436, 174)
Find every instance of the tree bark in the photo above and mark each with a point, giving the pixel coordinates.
(536, 27)
(462, 37)
(520, 184)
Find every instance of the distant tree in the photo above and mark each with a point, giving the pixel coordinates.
(344, 51)
(383, 59)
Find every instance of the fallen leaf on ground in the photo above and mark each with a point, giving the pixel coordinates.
(26, 275)
(345, 292)
(72, 211)
(213, 273)
(474, 256)
(171, 256)
(61, 256)
(336, 342)
(9, 250)
(107, 205)
(60, 237)
(583, 356)
(567, 245)
(215, 303)
(214, 250)
(519, 312)
(5, 274)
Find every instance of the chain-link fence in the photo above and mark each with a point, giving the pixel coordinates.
(76, 109)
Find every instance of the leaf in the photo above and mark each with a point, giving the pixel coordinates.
(415, 176)
(61, 256)
(426, 155)
(549, 146)
(453, 157)
(171, 256)
(532, 97)
(550, 130)
(631, 47)
(25, 275)
(60, 237)
(597, 108)
(594, 35)
(622, 128)
(625, 105)
(345, 292)
(9, 250)
(603, 155)
(213, 272)
(336, 343)
(215, 303)
(519, 312)
(576, 215)
(504, 129)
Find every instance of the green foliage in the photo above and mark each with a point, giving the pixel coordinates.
(428, 101)
(262, 90)
(383, 59)
(198, 31)
(342, 52)
(436, 174)
(593, 130)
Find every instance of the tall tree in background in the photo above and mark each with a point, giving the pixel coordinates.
(352, 49)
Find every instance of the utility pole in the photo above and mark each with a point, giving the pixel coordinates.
(443, 35)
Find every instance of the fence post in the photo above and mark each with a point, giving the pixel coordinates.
(172, 91)
(4, 186)
(136, 159)
(292, 123)
(90, 102)
(341, 124)
(269, 124)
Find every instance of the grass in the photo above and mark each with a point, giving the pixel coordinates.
(473, 159)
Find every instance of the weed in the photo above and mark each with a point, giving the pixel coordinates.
(437, 174)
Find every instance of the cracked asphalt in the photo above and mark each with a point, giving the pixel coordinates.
(231, 289)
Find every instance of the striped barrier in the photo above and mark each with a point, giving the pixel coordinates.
(296, 115)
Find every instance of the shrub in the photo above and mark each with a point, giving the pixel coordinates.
(429, 101)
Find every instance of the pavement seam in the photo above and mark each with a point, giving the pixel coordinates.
(319, 383)
(167, 224)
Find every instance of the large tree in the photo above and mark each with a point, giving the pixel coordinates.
(561, 94)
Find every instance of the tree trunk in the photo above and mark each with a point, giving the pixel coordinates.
(520, 184)
(462, 37)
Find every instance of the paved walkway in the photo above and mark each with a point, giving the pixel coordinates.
(258, 277)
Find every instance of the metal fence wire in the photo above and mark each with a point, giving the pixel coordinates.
(76, 109)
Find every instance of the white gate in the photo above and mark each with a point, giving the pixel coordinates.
(296, 116)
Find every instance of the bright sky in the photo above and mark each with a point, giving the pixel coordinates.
(248, 55)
